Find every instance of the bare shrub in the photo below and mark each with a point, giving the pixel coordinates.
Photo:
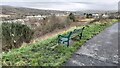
(50, 24)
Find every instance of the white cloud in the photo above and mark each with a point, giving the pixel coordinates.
(35, 0)
(99, 1)
(65, 4)
(60, 6)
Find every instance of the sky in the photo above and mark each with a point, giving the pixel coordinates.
(64, 5)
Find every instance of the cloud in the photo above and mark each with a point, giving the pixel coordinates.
(99, 1)
(71, 5)
(59, 6)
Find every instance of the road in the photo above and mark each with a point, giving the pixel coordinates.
(102, 50)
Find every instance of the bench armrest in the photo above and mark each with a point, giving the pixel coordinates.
(62, 36)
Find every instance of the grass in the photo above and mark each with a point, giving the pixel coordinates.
(42, 53)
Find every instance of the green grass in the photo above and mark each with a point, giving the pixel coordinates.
(42, 53)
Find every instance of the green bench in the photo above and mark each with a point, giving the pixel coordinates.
(72, 34)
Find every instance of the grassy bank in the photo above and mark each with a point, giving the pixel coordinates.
(44, 53)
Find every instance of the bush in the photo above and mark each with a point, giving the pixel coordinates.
(14, 34)
(72, 17)
(50, 24)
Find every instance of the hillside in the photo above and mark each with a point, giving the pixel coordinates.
(13, 13)
(8, 10)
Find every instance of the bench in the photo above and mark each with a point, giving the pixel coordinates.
(66, 38)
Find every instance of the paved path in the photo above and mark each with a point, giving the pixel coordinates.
(102, 50)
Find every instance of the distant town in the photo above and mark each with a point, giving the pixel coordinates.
(22, 16)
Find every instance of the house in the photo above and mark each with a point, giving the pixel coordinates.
(95, 15)
(105, 16)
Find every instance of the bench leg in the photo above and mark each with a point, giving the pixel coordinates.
(67, 43)
(58, 39)
(80, 37)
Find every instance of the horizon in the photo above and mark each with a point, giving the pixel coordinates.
(72, 5)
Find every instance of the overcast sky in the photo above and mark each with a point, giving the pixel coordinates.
(69, 5)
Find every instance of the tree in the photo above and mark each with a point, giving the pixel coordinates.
(72, 17)
(88, 15)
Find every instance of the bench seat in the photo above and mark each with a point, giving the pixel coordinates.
(66, 38)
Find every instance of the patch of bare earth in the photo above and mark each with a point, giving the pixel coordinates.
(60, 31)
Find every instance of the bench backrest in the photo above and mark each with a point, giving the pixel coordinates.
(77, 31)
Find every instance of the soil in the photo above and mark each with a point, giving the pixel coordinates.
(60, 31)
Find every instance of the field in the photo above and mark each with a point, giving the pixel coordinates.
(48, 52)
